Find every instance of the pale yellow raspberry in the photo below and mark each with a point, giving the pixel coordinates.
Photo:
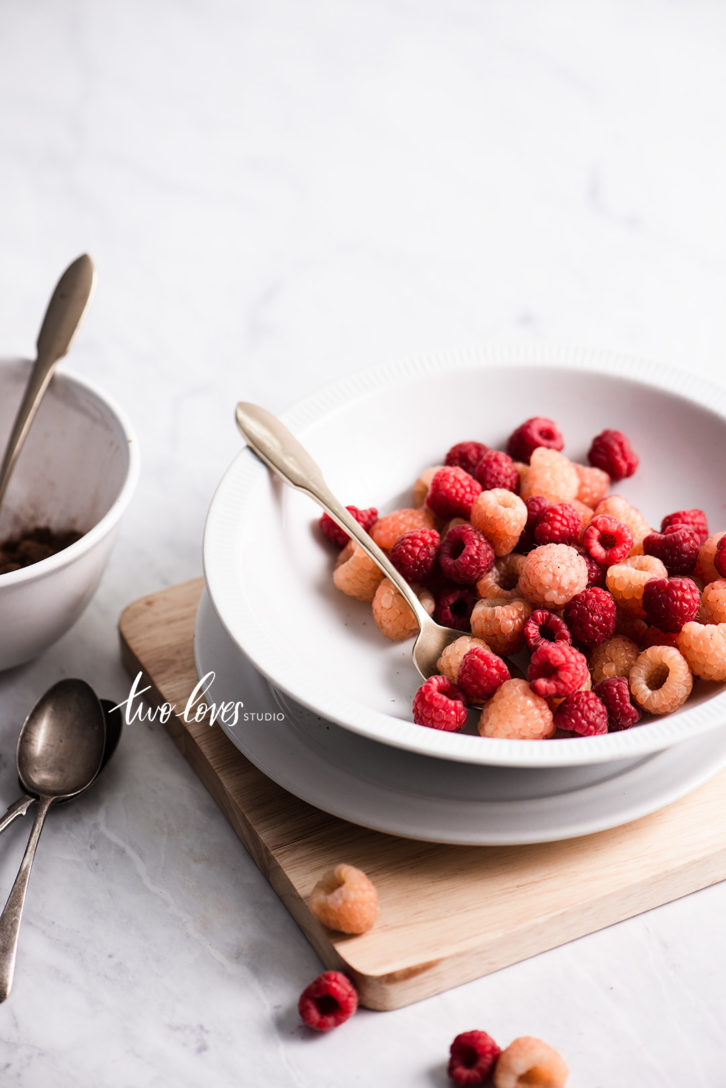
(500, 623)
(661, 680)
(704, 648)
(705, 568)
(551, 575)
(388, 529)
(626, 580)
(452, 656)
(514, 712)
(355, 574)
(393, 616)
(422, 485)
(501, 516)
(503, 579)
(615, 657)
(713, 603)
(624, 511)
(529, 1063)
(594, 484)
(345, 899)
(551, 475)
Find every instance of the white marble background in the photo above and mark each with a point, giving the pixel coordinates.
(276, 193)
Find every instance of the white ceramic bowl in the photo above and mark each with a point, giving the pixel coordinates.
(269, 575)
(77, 470)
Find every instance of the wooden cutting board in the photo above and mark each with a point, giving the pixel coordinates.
(448, 913)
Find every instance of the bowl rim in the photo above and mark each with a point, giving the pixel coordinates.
(525, 354)
(102, 528)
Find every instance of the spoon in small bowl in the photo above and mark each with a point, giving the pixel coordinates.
(281, 451)
(60, 752)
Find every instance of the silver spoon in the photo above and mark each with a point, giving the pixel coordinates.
(60, 751)
(281, 451)
(62, 316)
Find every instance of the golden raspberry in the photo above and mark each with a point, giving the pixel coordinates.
(422, 485)
(626, 581)
(660, 680)
(713, 603)
(530, 1062)
(705, 568)
(615, 657)
(523, 471)
(551, 575)
(453, 655)
(515, 712)
(593, 484)
(393, 616)
(503, 579)
(387, 530)
(586, 512)
(345, 899)
(624, 511)
(356, 574)
(551, 475)
(704, 648)
(500, 622)
(500, 515)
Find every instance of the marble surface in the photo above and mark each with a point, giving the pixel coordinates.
(275, 194)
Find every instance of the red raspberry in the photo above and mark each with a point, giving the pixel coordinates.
(607, 540)
(719, 560)
(414, 554)
(653, 636)
(595, 573)
(590, 615)
(465, 555)
(440, 704)
(454, 605)
(496, 469)
(677, 548)
(365, 518)
(535, 506)
(558, 524)
(611, 451)
(452, 493)
(687, 519)
(328, 1001)
(582, 712)
(534, 432)
(615, 695)
(480, 674)
(556, 669)
(473, 1055)
(544, 626)
(670, 602)
(466, 455)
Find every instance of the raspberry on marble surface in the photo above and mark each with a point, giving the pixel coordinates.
(328, 1001)
(471, 1058)
(529, 1063)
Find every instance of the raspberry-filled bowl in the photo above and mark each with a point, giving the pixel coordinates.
(269, 570)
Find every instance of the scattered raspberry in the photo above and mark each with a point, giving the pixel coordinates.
(503, 579)
(582, 712)
(594, 484)
(704, 648)
(328, 1001)
(472, 1057)
(660, 680)
(624, 511)
(557, 669)
(355, 574)
(515, 712)
(534, 432)
(626, 581)
(389, 528)
(590, 615)
(466, 455)
(393, 616)
(496, 469)
(687, 519)
(500, 515)
(530, 1062)
(615, 657)
(345, 899)
(421, 487)
(500, 623)
(454, 605)
(365, 518)
(414, 554)
(480, 674)
(551, 475)
(440, 704)
(706, 562)
(677, 548)
(595, 573)
(544, 626)
(536, 505)
(719, 559)
(607, 540)
(465, 555)
(560, 523)
(670, 602)
(713, 603)
(452, 655)
(551, 575)
(611, 451)
(615, 696)
(452, 493)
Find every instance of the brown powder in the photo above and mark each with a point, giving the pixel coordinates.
(31, 547)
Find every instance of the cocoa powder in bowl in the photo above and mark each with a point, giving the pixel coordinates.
(32, 546)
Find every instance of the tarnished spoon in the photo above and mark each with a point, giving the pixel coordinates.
(281, 451)
(60, 751)
(62, 316)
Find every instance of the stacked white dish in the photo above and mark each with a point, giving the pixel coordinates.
(272, 608)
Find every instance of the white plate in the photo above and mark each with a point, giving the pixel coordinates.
(269, 573)
(432, 799)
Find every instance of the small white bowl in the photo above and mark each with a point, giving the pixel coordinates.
(77, 470)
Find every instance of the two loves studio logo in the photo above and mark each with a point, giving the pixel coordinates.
(198, 707)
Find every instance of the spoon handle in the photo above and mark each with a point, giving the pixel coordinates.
(13, 910)
(62, 316)
(281, 451)
(18, 808)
